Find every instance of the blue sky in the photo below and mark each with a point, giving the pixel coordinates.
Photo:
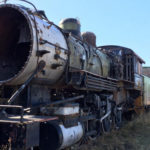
(117, 22)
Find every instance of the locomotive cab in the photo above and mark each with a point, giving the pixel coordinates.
(127, 65)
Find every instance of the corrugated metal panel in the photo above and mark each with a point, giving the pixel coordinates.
(146, 90)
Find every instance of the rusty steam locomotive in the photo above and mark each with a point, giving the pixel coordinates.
(56, 87)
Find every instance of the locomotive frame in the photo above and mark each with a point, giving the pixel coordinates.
(85, 96)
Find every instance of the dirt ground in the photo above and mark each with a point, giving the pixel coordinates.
(135, 135)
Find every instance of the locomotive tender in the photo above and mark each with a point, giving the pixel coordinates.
(56, 87)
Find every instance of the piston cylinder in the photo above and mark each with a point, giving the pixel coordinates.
(56, 136)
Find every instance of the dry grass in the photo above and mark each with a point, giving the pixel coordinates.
(135, 135)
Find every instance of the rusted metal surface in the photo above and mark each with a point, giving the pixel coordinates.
(19, 136)
(88, 58)
(139, 105)
(105, 62)
(40, 66)
(138, 80)
(111, 47)
(22, 135)
(77, 53)
(28, 66)
(90, 38)
(99, 83)
(84, 80)
(120, 96)
(146, 71)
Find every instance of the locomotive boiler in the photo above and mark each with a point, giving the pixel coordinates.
(57, 88)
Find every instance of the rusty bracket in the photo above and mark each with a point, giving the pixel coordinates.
(40, 53)
(42, 42)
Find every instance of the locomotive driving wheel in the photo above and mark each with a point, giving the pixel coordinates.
(94, 125)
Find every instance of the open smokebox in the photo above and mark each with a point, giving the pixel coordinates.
(15, 42)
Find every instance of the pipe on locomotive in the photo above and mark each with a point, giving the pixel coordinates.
(26, 38)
